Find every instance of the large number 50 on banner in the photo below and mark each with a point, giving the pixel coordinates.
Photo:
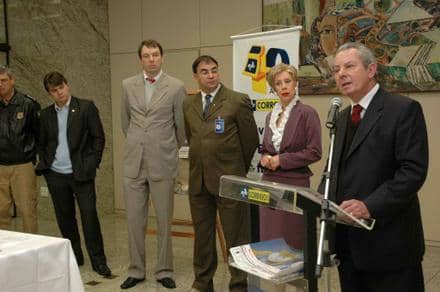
(253, 56)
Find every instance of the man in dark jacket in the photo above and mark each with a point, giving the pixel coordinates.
(380, 162)
(71, 145)
(19, 126)
(222, 137)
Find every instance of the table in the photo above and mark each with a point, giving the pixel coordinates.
(36, 263)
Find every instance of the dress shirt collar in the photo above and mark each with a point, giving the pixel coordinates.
(66, 106)
(292, 103)
(156, 78)
(366, 100)
(213, 94)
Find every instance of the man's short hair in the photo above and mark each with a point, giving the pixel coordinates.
(203, 59)
(6, 70)
(149, 44)
(364, 53)
(53, 79)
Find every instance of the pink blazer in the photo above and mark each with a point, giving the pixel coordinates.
(300, 145)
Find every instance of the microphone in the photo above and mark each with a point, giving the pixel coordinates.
(335, 104)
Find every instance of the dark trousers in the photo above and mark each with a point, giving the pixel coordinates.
(408, 279)
(234, 217)
(64, 189)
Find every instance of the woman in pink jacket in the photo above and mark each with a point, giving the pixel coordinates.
(291, 142)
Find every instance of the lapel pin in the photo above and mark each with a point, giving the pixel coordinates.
(73, 111)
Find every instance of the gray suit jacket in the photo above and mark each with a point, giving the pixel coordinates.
(158, 125)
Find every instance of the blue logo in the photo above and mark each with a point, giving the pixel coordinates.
(244, 192)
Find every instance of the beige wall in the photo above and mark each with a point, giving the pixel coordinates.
(186, 29)
(189, 28)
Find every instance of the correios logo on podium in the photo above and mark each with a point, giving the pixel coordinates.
(259, 62)
(255, 194)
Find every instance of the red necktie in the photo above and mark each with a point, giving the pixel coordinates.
(151, 80)
(356, 114)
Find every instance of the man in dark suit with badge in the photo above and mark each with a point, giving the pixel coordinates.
(380, 162)
(222, 137)
(70, 150)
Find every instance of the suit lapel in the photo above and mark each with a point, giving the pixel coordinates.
(159, 92)
(290, 128)
(139, 91)
(73, 111)
(197, 105)
(268, 136)
(217, 102)
(373, 113)
(53, 120)
(341, 128)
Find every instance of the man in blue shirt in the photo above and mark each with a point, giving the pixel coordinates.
(70, 150)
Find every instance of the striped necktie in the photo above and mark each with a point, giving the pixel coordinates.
(207, 104)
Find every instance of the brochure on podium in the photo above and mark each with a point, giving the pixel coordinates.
(273, 260)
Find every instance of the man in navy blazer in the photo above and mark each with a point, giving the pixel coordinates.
(380, 162)
(70, 150)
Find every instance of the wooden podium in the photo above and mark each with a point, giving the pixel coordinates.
(300, 200)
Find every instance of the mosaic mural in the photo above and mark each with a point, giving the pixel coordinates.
(403, 34)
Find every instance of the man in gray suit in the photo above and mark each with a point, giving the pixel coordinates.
(152, 121)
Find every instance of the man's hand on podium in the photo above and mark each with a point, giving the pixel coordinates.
(356, 209)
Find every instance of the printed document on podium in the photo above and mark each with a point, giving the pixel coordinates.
(271, 260)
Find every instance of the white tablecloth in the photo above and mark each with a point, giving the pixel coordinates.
(35, 263)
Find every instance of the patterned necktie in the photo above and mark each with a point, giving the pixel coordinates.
(207, 104)
(356, 115)
(280, 117)
(151, 80)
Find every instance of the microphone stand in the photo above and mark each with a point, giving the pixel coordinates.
(326, 215)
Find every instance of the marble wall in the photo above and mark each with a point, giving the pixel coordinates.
(71, 37)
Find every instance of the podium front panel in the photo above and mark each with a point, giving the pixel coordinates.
(285, 197)
(268, 194)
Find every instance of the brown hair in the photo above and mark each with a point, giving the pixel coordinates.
(149, 44)
(53, 79)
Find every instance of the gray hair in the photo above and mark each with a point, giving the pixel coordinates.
(363, 52)
(6, 70)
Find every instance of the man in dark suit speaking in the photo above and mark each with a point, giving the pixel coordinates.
(380, 162)
(222, 137)
(70, 150)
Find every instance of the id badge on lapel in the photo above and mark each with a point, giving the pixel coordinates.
(219, 125)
